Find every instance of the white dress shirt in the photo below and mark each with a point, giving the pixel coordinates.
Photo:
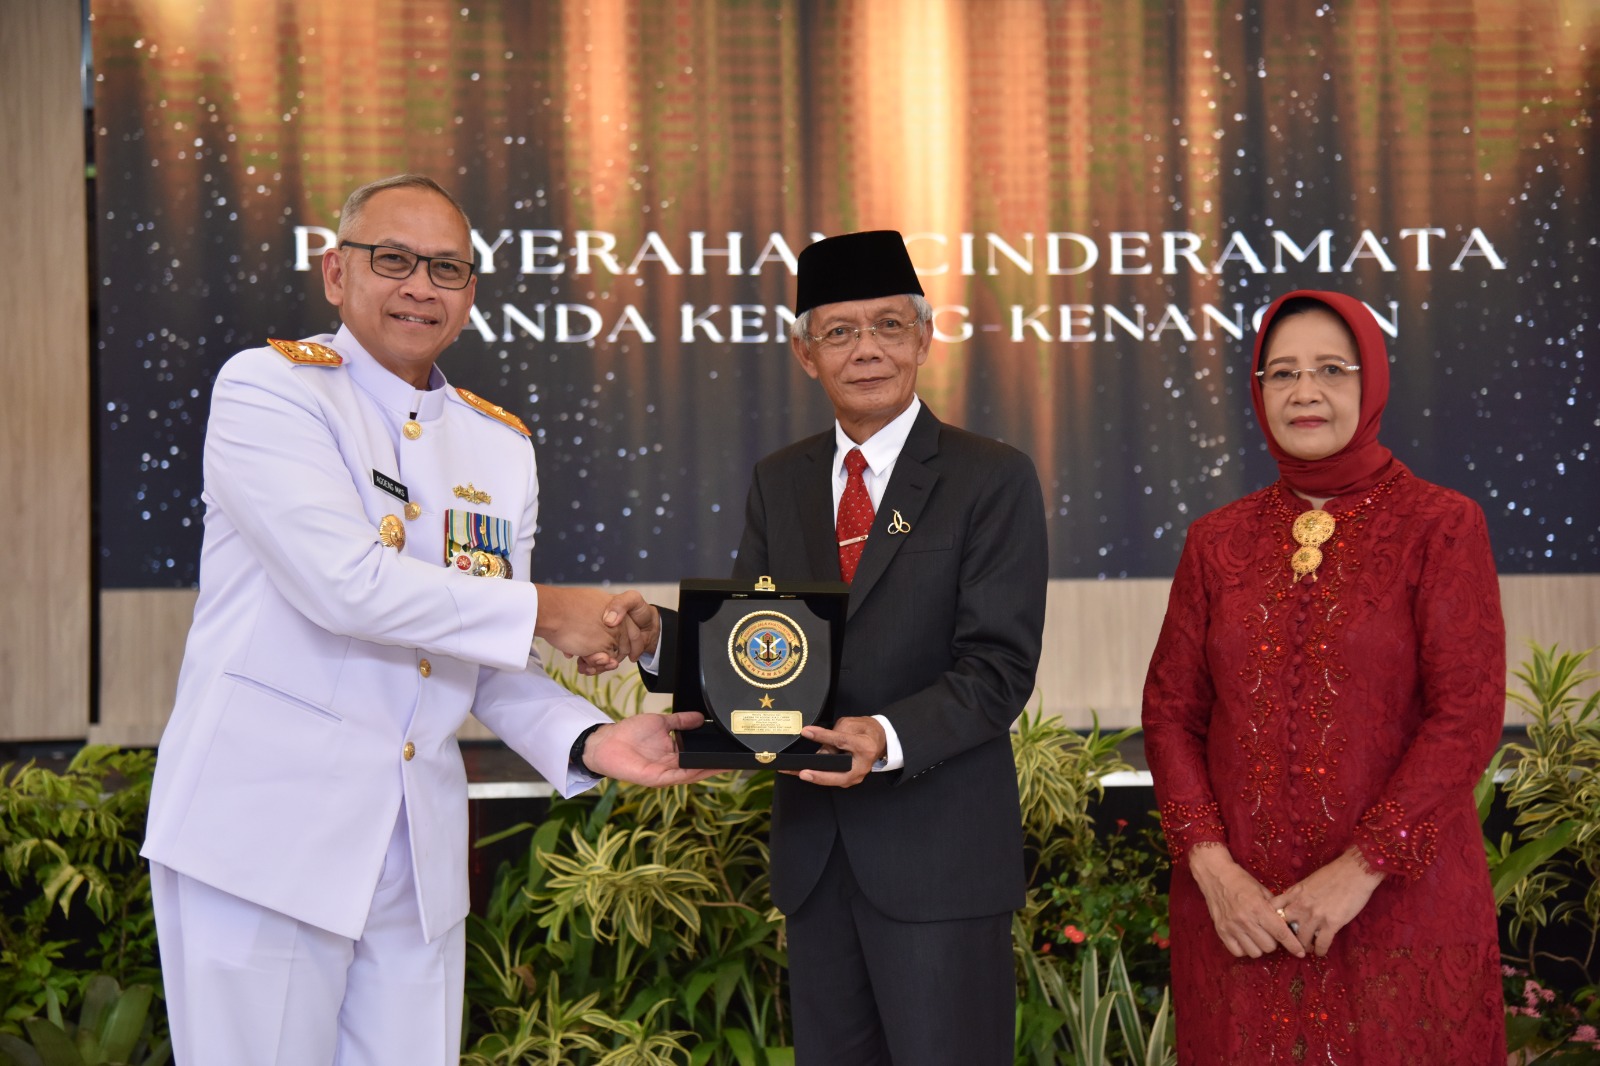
(880, 451)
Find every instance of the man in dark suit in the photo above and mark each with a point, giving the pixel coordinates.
(898, 877)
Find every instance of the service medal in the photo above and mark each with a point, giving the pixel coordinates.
(478, 544)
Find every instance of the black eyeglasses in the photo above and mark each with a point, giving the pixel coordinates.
(391, 262)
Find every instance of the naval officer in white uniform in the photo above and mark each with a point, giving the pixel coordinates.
(363, 586)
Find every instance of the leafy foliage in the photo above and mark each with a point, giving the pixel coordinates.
(1556, 783)
(636, 929)
(1059, 774)
(75, 897)
(114, 1028)
(1067, 1021)
(1090, 895)
(1548, 881)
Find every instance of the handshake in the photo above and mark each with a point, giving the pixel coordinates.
(601, 629)
(598, 628)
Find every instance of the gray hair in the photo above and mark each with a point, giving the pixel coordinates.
(350, 214)
(800, 328)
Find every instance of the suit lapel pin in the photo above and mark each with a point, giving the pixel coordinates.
(898, 525)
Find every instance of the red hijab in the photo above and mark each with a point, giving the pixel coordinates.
(1362, 462)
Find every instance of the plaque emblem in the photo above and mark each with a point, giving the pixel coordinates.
(767, 649)
(765, 670)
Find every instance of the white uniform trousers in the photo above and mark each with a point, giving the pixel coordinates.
(248, 986)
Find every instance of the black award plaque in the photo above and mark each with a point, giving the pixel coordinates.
(761, 662)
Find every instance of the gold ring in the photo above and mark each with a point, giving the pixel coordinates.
(1282, 915)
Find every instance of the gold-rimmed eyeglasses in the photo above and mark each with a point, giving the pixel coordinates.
(391, 262)
(891, 333)
(1328, 375)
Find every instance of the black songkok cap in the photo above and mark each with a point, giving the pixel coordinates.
(855, 266)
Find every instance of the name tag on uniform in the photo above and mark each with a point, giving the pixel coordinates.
(477, 544)
(391, 486)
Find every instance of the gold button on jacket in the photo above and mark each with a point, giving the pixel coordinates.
(425, 668)
(409, 751)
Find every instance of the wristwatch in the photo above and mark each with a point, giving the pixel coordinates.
(575, 757)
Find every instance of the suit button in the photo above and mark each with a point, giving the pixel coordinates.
(425, 668)
(413, 511)
(409, 751)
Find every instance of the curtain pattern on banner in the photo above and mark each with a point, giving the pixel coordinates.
(1100, 195)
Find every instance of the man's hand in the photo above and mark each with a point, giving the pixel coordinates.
(861, 738)
(570, 619)
(638, 628)
(643, 749)
(1328, 900)
(639, 623)
(1245, 915)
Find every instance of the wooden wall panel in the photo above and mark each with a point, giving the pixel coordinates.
(1098, 639)
(44, 360)
(142, 632)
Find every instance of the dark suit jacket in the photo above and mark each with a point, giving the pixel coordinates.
(943, 634)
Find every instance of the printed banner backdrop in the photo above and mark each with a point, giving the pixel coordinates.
(1100, 197)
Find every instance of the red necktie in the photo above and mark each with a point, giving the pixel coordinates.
(855, 516)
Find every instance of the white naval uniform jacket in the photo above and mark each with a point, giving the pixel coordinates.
(282, 769)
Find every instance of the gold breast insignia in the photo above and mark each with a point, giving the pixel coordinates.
(392, 532)
(308, 353)
(494, 411)
(471, 493)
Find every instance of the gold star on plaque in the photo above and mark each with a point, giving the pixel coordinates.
(766, 701)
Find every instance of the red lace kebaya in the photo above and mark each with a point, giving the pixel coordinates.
(1293, 718)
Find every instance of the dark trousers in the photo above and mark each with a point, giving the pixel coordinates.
(867, 990)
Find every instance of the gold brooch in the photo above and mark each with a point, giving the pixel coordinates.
(1311, 530)
(471, 493)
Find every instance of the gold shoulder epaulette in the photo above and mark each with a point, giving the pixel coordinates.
(308, 352)
(494, 411)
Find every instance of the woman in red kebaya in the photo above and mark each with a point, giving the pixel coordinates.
(1328, 686)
